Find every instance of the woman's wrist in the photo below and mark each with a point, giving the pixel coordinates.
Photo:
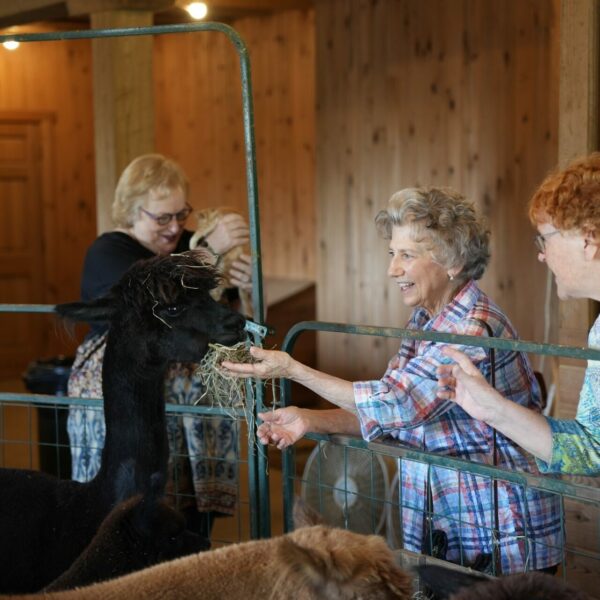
(501, 412)
(292, 369)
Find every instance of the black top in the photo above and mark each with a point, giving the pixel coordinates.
(107, 260)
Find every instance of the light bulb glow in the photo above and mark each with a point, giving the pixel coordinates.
(11, 44)
(197, 10)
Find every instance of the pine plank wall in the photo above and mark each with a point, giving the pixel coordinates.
(461, 94)
(353, 101)
(404, 95)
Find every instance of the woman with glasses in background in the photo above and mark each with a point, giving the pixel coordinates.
(566, 212)
(150, 210)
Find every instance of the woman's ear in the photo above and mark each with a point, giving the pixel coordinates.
(454, 272)
(591, 245)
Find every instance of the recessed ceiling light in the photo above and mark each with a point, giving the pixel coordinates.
(11, 44)
(197, 10)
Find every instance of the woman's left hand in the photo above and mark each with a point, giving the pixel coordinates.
(240, 273)
(463, 383)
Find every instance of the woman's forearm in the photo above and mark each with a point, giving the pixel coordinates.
(335, 420)
(527, 428)
(333, 389)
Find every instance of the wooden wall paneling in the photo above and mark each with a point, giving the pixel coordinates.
(22, 274)
(123, 101)
(489, 61)
(578, 135)
(195, 120)
(54, 78)
(28, 258)
(199, 122)
(284, 109)
(449, 92)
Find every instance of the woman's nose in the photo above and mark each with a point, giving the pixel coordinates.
(395, 268)
(174, 226)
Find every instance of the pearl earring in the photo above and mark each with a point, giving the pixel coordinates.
(450, 277)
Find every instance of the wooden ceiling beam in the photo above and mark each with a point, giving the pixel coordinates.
(29, 11)
(253, 5)
(90, 7)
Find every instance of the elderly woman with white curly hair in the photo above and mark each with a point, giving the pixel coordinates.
(438, 248)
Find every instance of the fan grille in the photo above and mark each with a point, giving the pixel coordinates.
(347, 486)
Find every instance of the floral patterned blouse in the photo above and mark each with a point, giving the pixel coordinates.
(576, 443)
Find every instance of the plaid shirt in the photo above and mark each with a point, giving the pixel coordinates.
(404, 405)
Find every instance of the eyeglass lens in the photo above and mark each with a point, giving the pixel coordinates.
(165, 218)
(181, 216)
(540, 242)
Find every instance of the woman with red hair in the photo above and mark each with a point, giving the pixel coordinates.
(566, 212)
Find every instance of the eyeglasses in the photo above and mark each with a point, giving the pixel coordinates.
(540, 240)
(165, 218)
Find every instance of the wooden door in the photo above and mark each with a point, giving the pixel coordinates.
(22, 272)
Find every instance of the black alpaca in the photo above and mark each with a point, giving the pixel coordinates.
(457, 585)
(161, 311)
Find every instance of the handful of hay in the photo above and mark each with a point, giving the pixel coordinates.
(226, 391)
(220, 387)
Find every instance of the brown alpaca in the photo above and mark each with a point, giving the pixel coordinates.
(309, 564)
(207, 221)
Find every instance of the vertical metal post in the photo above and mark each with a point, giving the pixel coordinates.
(257, 461)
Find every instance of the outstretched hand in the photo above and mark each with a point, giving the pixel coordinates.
(284, 426)
(269, 364)
(464, 384)
(231, 231)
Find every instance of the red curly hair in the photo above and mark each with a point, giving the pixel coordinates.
(570, 197)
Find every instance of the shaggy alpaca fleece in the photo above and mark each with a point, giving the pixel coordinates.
(314, 563)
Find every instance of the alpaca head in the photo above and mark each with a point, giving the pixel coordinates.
(164, 305)
(323, 562)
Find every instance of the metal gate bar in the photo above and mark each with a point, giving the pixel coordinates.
(572, 490)
(260, 514)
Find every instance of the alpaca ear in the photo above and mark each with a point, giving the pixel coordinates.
(304, 564)
(95, 311)
(304, 515)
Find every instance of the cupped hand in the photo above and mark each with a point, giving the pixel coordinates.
(284, 426)
(269, 364)
(464, 384)
(231, 231)
(240, 273)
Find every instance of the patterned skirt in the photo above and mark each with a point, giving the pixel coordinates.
(209, 468)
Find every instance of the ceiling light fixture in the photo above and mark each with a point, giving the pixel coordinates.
(197, 10)
(11, 44)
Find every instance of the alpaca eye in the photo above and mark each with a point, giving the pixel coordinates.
(173, 310)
